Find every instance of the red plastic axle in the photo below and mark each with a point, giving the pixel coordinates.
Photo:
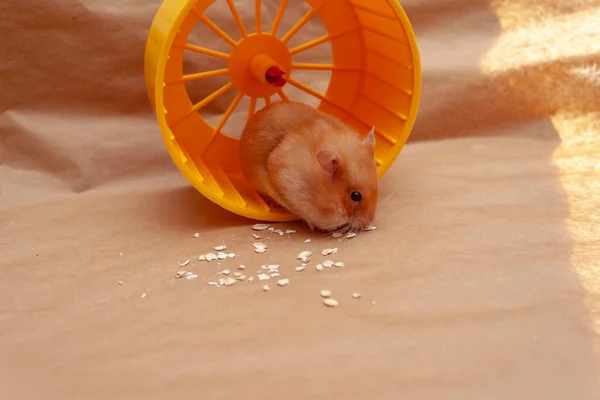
(274, 76)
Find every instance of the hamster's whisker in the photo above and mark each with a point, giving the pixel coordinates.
(389, 196)
(345, 230)
(355, 230)
(342, 231)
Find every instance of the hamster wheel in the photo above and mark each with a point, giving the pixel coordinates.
(375, 82)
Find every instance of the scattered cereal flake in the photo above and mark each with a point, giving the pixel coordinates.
(290, 231)
(337, 235)
(212, 283)
(242, 267)
(266, 288)
(241, 278)
(143, 295)
(220, 248)
(196, 235)
(120, 282)
(271, 229)
(237, 274)
(230, 255)
(211, 257)
(328, 263)
(370, 228)
(327, 252)
(338, 264)
(230, 281)
(120, 254)
(263, 277)
(201, 257)
(260, 227)
(221, 281)
(308, 241)
(356, 295)
(350, 235)
(180, 274)
(255, 236)
(279, 232)
(304, 255)
(329, 302)
(221, 255)
(325, 293)
(283, 282)
(275, 274)
(183, 264)
(190, 275)
(319, 267)
(250, 278)
(225, 272)
(260, 247)
(300, 268)
(272, 267)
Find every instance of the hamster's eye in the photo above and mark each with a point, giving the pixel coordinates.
(356, 196)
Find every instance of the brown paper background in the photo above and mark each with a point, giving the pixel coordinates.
(482, 281)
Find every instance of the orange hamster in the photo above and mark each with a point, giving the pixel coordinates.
(312, 164)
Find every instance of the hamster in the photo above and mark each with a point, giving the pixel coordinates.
(311, 164)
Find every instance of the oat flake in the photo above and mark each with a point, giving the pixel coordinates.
(329, 302)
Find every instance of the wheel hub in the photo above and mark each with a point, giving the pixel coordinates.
(259, 65)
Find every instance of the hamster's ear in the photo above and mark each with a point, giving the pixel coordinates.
(329, 161)
(369, 140)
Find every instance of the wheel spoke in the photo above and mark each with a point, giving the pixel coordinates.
(314, 93)
(324, 99)
(267, 100)
(318, 41)
(306, 89)
(278, 16)
(310, 45)
(199, 75)
(228, 113)
(251, 108)
(237, 18)
(305, 18)
(315, 67)
(206, 21)
(283, 96)
(217, 93)
(202, 50)
(258, 12)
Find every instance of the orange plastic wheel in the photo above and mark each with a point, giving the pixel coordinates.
(375, 81)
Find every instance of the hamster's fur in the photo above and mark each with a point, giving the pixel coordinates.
(312, 164)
